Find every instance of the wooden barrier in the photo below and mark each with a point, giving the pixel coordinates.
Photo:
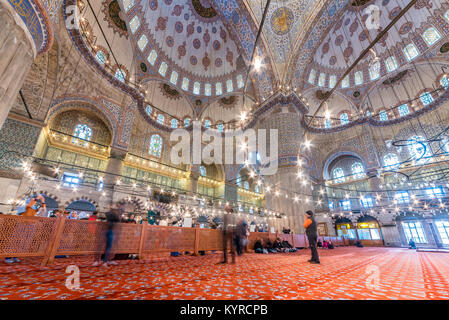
(48, 237)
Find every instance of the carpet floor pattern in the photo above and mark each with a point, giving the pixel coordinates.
(344, 273)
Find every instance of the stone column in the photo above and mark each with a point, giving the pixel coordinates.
(17, 53)
(114, 166)
(290, 132)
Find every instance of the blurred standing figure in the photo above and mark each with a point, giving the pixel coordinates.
(228, 231)
(112, 217)
(240, 236)
(312, 235)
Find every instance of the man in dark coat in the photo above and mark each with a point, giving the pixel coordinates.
(312, 235)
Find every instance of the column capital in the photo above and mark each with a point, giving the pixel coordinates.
(117, 153)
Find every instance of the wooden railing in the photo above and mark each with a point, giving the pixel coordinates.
(48, 237)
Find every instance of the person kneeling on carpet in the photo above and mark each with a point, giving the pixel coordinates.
(258, 246)
(411, 244)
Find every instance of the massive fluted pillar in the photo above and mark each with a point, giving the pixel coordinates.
(17, 53)
(287, 122)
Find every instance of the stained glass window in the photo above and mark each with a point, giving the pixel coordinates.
(120, 75)
(374, 70)
(312, 76)
(403, 110)
(174, 123)
(128, 4)
(332, 81)
(391, 160)
(358, 171)
(155, 145)
(160, 118)
(444, 82)
(338, 175)
(436, 192)
(256, 189)
(82, 131)
(185, 84)
(148, 109)
(163, 69)
(426, 98)
(196, 88)
(142, 43)
(207, 123)
(383, 115)
(418, 148)
(431, 36)
(134, 24)
(345, 82)
(446, 15)
(152, 57)
(208, 89)
(202, 171)
(368, 113)
(220, 127)
(239, 180)
(358, 78)
(344, 118)
(246, 185)
(327, 123)
(240, 83)
(186, 122)
(101, 57)
(218, 89)
(174, 77)
(411, 52)
(391, 64)
(229, 86)
(322, 79)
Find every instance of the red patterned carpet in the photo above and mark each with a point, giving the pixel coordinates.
(344, 273)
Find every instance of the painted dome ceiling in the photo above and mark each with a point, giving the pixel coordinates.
(186, 43)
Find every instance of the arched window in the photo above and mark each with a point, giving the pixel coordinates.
(148, 109)
(358, 78)
(332, 81)
(155, 145)
(220, 127)
(446, 15)
(411, 52)
(256, 188)
(358, 171)
(186, 122)
(338, 175)
(403, 110)
(160, 118)
(444, 82)
(418, 148)
(374, 70)
(383, 115)
(344, 118)
(207, 123)
(431, 36)
(445, 144)
(391, 64)
(327, 123)
(203, 171)
(391, 160)
(120, 75)
(174, 123)
(101, 57)
(345, 82)
(368, 113)
(82, 131)
(426, 98)
(312, 76)
(246, 185)
(322, 79)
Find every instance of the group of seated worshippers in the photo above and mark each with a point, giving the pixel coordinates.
(273, 247)
(326, 244)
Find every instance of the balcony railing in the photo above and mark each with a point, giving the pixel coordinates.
(70, 142)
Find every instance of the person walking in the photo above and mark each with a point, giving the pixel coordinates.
(312, 235)
(228, 234)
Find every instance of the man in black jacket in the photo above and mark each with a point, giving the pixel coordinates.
(312, 236)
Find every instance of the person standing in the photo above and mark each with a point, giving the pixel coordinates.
(228, 234)
(312, 235)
